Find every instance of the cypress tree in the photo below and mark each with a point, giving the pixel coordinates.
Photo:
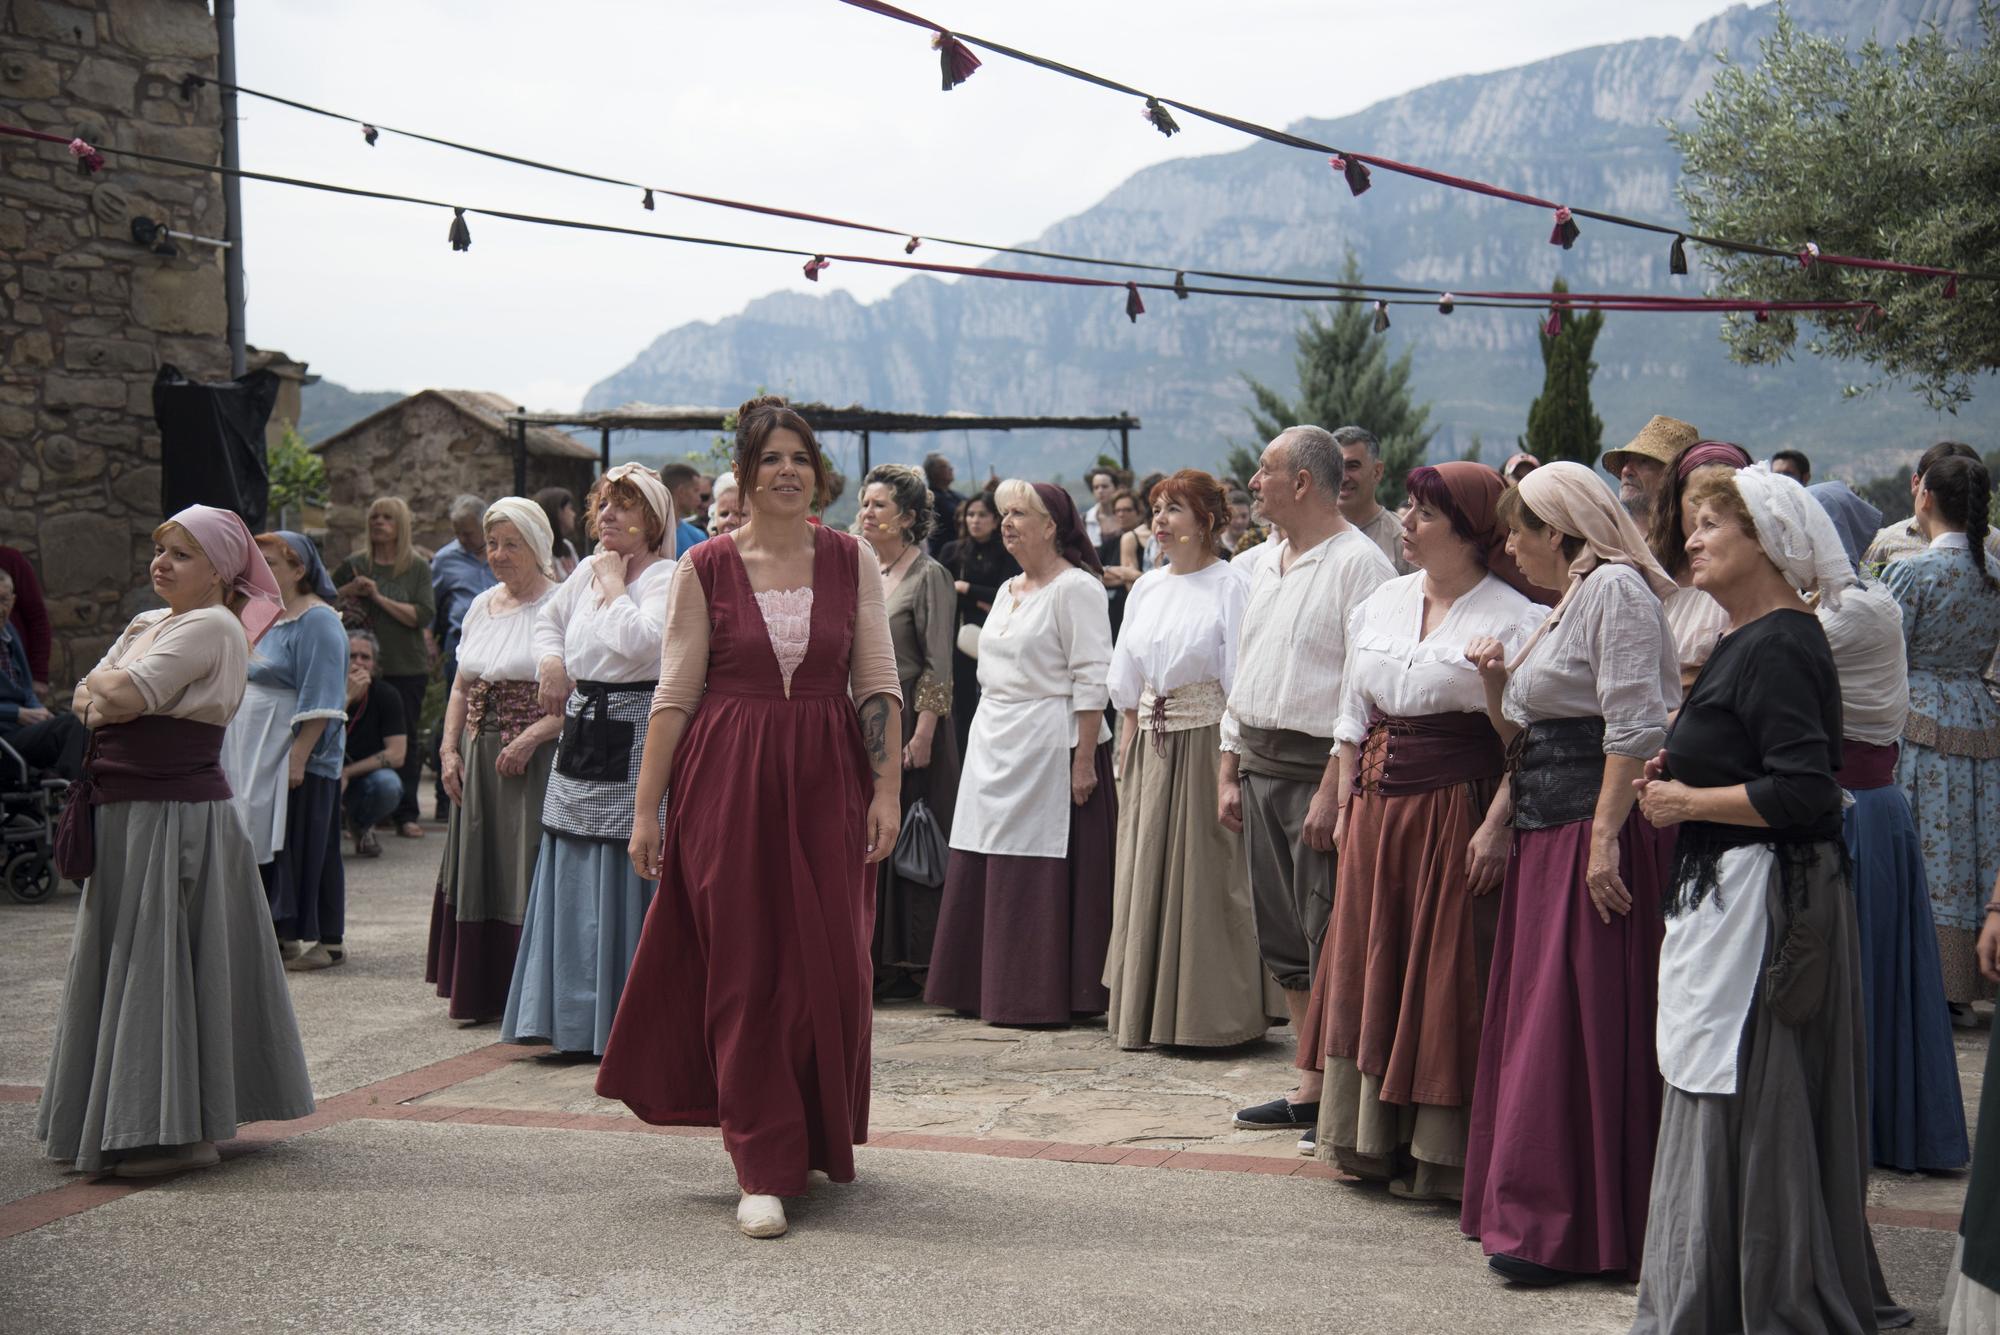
(1561, 423)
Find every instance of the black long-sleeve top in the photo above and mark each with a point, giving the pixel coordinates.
(984, 566)
(1765, 713)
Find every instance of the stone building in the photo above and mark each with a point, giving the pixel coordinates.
(87, 316)
(430, 447)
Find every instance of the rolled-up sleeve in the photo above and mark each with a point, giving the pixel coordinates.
(1083, 617)
(1638, 672)
(552, 622)
(1352, 726)
(321, 646)
(684, 651)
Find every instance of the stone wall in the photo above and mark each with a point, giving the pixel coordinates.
(427, 451)
(89, 316)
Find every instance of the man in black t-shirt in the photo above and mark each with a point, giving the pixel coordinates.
(377, 740)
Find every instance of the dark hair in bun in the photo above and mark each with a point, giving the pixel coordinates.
(755, 421)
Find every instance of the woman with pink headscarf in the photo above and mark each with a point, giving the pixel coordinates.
(176, 1026)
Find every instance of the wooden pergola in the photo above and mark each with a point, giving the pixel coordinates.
(853, 419)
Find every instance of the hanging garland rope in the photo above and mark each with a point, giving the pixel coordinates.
(91, 159)
(1354, 167)
(371, 130)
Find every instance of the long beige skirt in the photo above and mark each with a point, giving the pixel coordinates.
(1183, 968)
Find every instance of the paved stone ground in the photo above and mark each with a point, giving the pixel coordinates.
(1016, 1180)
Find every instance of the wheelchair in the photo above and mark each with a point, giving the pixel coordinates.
(31, 803)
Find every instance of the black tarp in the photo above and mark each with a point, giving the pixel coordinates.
(212, 443)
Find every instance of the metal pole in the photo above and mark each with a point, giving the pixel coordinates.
(520, 458)
(1125, 448)
(232, 185)
(864, 454)
(604, 450)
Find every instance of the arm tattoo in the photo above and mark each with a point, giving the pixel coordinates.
(875, 729)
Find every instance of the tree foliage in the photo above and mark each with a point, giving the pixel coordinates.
(1561, 421)
(1347, 379)
(298, 476)
(1884, 153)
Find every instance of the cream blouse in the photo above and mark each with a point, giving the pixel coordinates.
(192, 666)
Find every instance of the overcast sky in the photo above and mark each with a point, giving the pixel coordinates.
(810, 104)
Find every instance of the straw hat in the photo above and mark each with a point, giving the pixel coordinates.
(1660, 440)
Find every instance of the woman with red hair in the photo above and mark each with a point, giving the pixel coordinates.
(1183, 969)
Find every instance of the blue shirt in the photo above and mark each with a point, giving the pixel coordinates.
(687, 535)
(17, 691)
(457, 577)
(308, 654)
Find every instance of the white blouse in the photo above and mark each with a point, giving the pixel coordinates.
(1394, 670)
(1866, 635)
(1610, 657)
(600, 641)
(1697, 622)
(1178, 630)
(500, 646)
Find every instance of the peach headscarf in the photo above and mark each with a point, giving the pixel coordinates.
(226, 541)
(1567, 497)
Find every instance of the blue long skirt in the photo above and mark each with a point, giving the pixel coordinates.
(585, 909)
(1916, 1113)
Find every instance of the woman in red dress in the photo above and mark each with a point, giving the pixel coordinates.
(778, 721)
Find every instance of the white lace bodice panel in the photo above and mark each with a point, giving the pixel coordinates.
(788, 621)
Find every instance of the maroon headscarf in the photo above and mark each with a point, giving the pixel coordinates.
(1705, 452)
(1469, 494)
(1072, 542)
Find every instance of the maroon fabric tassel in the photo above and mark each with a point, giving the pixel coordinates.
(1872, 312)
(1554, 324)
(370, 134)
(1180, 286)
(646, 201)
(1161, 120)
(1677, 258)
(1808, 255)
(1951, 287)
(1381, 316)
(955, 59)
(461, 235)
(1134, 308)
(814, 265)
(1763, 317)
(1565, 232)
(89, 161)
(1445, 304)
(910, 246)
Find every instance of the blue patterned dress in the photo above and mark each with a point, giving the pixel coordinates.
(1950, 765)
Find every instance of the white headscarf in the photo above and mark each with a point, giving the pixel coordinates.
(526, 516)
(1796, 532)
(654, 493)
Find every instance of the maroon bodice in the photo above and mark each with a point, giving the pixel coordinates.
(741, 661)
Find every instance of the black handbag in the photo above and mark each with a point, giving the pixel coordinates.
(920, 848)
(596, 748)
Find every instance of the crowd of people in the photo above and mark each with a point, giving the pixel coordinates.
(1622, 860)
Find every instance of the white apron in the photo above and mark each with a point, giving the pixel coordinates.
(255, 750)
(1709, 966)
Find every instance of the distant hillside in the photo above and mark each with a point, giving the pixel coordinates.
(326, 407)
(1582, 126)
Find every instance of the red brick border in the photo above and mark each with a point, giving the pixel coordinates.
(393, 1100)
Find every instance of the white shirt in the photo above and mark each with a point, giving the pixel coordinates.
(1866, 635)
(1294, 650)
(1392, 669)
(1178, 630)
(1042, 661)
(1697, 622)
(1093, 524)
(600, 641)
(502, 647)
(1610, 657)
(1252, 562)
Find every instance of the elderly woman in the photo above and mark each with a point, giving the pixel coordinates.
(726, 512)
(1394, 1017)
(175, 1025)
(1183, 968)
(896, 518)
(497, 747)
(1760, 1187)
(1916, 1110)
(386, 589)
(1950, 761)
(284, 752)
(597, 645)
(1027, 901)
(778, 720)
(1694, 618)
(1566, 1102)
(979, 564)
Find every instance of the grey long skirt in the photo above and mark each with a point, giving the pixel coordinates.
(176, 1025)
(1757, 1221)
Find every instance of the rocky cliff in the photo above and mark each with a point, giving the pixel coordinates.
(1582, 126)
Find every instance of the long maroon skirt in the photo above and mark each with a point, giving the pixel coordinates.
(1566, 1105)
(1022, 940)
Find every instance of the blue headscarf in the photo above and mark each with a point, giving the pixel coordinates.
(303, 548)
(1854, 519)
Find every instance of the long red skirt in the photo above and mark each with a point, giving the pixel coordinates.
(1566, 1106)
(749, 1002)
